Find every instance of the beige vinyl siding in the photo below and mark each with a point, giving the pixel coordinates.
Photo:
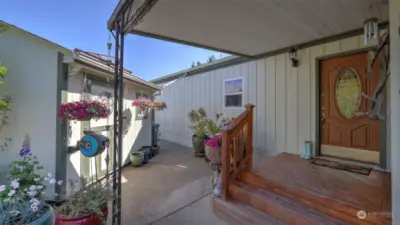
(285, 98)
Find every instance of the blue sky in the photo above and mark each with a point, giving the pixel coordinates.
(82, 24)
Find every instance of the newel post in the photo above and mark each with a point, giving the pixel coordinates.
(225, 161)
(249, 140)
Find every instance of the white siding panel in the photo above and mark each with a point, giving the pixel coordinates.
(304, 84)
(261, 105)
(284, 97)
(349, 43)
(292, 108)
(270, 104)
(251, 83)
(332, 47)
(280, 93)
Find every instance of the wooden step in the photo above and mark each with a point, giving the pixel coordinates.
(328, 206)
(237, 213)
(278, 207)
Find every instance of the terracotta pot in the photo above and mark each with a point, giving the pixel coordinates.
(84, 220)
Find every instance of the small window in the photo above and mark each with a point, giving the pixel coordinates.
(233, 93)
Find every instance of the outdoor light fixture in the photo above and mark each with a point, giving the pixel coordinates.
(293, 57)
(371, 31)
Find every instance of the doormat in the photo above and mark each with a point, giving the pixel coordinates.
(342, 166)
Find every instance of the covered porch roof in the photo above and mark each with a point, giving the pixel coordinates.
(247, 28)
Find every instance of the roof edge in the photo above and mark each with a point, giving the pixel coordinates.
(36, 36)
(227, 61)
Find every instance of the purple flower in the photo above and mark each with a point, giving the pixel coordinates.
(25, 151)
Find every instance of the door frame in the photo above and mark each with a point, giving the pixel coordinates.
(383, 124)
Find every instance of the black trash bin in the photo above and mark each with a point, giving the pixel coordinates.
(154, 137)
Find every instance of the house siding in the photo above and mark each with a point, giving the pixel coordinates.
(32, 83)
(138, 135)
(285, 98)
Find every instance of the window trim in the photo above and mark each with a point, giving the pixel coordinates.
(234, 93)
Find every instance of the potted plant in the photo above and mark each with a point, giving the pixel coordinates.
(22, 197)
(87, 207)
(137, 158)
(84, 110)
(198, 124)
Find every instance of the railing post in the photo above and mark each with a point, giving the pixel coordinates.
(225, 161)
(249, 140)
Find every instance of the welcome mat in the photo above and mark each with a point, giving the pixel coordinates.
(342, 166)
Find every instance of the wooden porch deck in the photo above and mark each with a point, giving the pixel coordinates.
(291, 190)
(286, 189)
(370, 193)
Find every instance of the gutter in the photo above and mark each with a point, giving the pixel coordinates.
(221, 63)
(107, 69)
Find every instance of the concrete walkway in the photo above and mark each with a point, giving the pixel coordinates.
(173, 188)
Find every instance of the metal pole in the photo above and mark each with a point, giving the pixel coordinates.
(115, 144)
(120, 110)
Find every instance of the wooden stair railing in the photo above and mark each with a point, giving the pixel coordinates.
(237, 148)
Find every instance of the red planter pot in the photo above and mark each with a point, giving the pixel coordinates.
(84, 220)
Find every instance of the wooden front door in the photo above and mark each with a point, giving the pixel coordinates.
(344, 132)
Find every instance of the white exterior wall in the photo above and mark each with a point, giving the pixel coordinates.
(139, 133)
(284, 98)
(32, 83)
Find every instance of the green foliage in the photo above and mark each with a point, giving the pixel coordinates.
(5, 100)
(22, 193)
(198, 122)
(226, 120)
(87, 201)
(213, 126)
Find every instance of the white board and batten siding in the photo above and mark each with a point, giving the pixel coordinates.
(31, 82)
(284, 98)
(138, 134)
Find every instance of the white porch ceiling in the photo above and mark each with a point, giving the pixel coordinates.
(252, 27)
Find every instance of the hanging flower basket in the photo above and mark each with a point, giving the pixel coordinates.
(158, 105)
(84, 110)
(145, 104)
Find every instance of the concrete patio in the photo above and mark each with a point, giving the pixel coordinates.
(173, 188)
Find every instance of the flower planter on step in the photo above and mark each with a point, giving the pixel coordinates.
(137, 158)
(46, 219)
(84, 220)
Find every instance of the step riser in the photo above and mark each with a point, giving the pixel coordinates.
(328, 206)
(271, 208)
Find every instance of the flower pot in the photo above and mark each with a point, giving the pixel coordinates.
(146, 153)
(137, 158)
(83, 220)
(46, 218)
(151, 151)
(198, 146)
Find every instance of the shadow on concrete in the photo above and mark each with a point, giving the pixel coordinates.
(169, 182)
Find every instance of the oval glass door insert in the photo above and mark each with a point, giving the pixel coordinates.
(348, 93)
